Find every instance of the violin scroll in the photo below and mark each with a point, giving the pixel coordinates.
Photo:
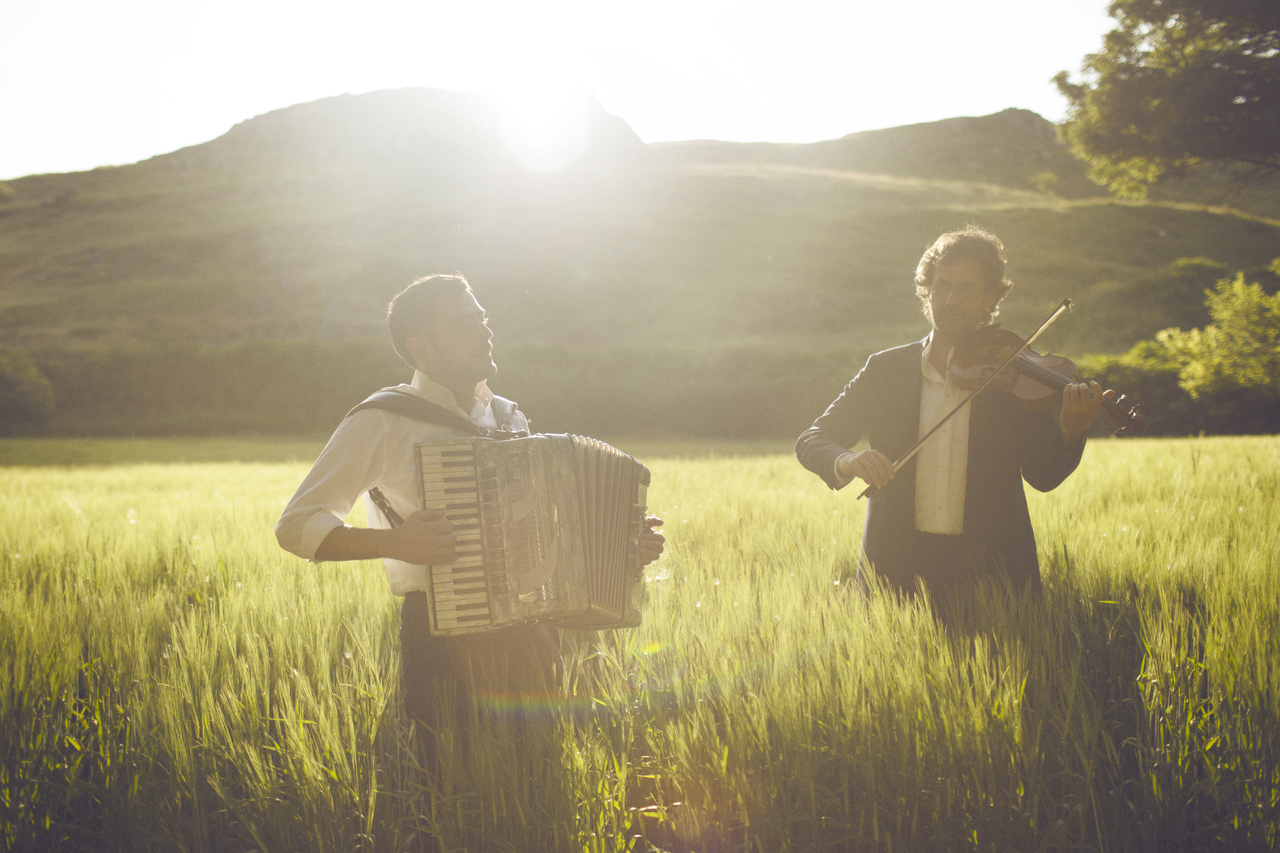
(1130, 422)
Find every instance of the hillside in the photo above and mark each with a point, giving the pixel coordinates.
(296, 227)
(1015, 148)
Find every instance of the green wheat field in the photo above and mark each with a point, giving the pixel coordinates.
(171, 680)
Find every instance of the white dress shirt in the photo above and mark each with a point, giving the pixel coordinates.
(942, 463)
(372, 448)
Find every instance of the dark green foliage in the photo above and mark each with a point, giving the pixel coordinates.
(1222, 378)
(1178, 82)
(173, 387)
(1232, 365)
(26, 398)
(739, 392)
(273, 387)
(1148, 378)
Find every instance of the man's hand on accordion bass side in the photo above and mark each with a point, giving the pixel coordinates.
(651, 541)
(425, 538)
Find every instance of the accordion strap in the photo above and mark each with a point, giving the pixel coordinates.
(418, 409)
(414, 408)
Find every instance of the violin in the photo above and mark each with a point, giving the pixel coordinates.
(1035, 380)
(991, 356)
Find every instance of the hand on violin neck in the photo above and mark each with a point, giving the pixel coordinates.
(1081, 403)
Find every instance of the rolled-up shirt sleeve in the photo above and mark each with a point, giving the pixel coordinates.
(345, 469)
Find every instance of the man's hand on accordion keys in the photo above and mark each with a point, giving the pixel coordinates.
(651, 541)
(425, 538)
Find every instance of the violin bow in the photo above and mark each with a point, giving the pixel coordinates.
(915, 448)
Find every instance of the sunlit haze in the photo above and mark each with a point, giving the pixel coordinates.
(85, 84)
(545, 128)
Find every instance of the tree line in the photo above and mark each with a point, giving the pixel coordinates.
(305, 386)
(1223, 377)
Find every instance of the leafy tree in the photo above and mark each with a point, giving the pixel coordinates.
(1148, 377)
(26, 398)
(1234, 362)
(1239, 349)
(1176, 83)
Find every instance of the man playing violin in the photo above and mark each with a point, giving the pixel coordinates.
(955, 513)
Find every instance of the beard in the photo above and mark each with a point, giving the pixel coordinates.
(955, 323)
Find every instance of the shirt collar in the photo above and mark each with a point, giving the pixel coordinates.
(426, 388)
(928, 369)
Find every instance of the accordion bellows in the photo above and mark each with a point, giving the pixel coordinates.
(548, 530)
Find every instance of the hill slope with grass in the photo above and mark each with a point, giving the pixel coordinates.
(682, 267)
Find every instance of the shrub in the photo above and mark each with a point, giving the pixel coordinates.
(1148, 378)
(1233, 363)
(26, 397)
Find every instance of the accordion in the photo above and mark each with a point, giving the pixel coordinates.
(547, 529)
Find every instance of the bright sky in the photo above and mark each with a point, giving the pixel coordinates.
(85, 83)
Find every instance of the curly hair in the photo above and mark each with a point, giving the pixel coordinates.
(971, 243)
(409, 313)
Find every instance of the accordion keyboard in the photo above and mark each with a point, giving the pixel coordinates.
(546, 530)
(460, 588)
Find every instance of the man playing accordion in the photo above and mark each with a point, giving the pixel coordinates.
(439, 329)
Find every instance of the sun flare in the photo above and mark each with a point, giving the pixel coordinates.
(545, 128)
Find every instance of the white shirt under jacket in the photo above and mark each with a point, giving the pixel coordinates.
(374, 448)
(942, 462)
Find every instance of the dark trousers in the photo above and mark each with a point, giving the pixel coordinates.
(952, 566)
(475, 673)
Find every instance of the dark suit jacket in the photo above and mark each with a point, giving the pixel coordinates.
(1007, 444)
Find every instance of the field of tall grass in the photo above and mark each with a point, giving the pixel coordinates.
(171, 680)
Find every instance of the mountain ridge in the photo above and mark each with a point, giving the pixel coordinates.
(706, 288)
(961, 148)
(302, 222)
